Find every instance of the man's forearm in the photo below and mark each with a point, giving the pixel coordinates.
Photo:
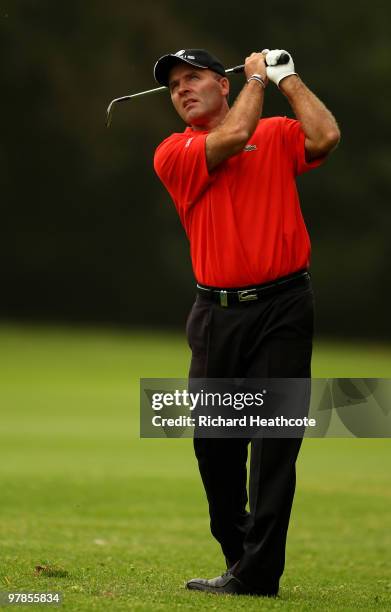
(244, 115)
(319, 125)
(231, 135)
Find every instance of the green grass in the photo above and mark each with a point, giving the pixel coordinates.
(125, 520)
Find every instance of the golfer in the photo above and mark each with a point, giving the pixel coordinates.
(231, 176)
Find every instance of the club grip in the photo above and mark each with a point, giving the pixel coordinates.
(284, 59)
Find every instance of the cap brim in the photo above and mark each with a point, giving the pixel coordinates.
(163, 66)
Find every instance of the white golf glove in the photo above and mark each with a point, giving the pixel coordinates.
(275, 71)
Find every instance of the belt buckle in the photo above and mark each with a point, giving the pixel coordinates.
(223, 298)
(247, 295)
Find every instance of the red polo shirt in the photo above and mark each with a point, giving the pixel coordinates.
(243, 219)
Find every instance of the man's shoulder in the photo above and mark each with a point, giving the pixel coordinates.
(169, 140)
(178, 138)
(176, 144)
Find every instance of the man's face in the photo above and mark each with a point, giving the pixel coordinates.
(197, 94)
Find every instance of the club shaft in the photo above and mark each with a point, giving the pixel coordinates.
(152, 91)
(156, 89)
(235, 69)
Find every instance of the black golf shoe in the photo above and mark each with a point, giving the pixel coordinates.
(227, 584)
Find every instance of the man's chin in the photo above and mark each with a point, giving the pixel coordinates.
(195, 119)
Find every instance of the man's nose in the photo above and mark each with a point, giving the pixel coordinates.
(182, 88)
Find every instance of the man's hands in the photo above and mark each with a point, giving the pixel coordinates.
(255, 64)
(275, 71)
(266, 64)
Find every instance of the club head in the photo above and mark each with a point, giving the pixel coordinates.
(109, 112)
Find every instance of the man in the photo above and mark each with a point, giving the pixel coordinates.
(231, 176)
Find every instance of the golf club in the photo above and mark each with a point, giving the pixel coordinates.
(284, 59)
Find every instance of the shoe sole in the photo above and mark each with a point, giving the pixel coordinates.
(206, 589)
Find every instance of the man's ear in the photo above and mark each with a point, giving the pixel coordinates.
(224, 82)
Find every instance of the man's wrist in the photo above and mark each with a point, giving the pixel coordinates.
(258, 78)
(289, 83)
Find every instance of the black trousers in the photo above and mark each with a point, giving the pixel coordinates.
(268, 338)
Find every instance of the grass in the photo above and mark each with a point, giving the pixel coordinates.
(120, 523)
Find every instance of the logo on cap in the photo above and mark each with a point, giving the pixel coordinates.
(180, 53)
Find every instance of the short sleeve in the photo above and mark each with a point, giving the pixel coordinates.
(180, 163)
(294, 140)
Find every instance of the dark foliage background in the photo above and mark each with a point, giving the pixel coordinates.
(87, 231)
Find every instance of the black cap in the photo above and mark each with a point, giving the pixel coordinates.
(196, 57)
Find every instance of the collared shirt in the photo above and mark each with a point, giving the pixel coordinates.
(243, 219)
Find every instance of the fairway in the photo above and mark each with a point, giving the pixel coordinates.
(122, 522)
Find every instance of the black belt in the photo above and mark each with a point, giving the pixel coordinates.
(231, 297)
